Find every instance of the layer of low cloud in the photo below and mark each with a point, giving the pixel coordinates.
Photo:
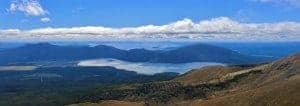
(145, 68)
(221, 28)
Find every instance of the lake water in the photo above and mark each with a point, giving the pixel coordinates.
(144, 67)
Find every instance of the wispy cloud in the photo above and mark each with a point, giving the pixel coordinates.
(45, 20)
(221, 28)
(284, 2)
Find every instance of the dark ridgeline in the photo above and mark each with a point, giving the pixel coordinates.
(193, 53)
(56, 77)
(59, 86)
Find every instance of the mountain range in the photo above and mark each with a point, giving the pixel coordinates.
(42, 52)
(236, 84)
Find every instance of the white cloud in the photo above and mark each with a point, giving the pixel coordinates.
(45, 19)
(29, 7)
(221, 28)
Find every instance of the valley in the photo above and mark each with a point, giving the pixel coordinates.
(149, 53)
(198, 74)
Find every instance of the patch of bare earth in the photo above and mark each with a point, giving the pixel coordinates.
(110, 103)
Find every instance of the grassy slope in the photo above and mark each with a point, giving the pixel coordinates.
(276, 84)
(273, 84)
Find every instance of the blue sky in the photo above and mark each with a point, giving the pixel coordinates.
(125, 13)
(178, 19)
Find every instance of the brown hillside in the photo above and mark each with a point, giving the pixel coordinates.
(111, 103)
(273, 84)
(205, 74)
(282, 93)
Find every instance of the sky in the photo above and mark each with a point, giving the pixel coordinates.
(154, 19)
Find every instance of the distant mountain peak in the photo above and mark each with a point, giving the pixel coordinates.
(103, 46)
(193, 53)
(42, 44)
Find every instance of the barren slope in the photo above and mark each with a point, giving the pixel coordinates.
(273, 84)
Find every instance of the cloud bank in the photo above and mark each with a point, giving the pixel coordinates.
(221, 28)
